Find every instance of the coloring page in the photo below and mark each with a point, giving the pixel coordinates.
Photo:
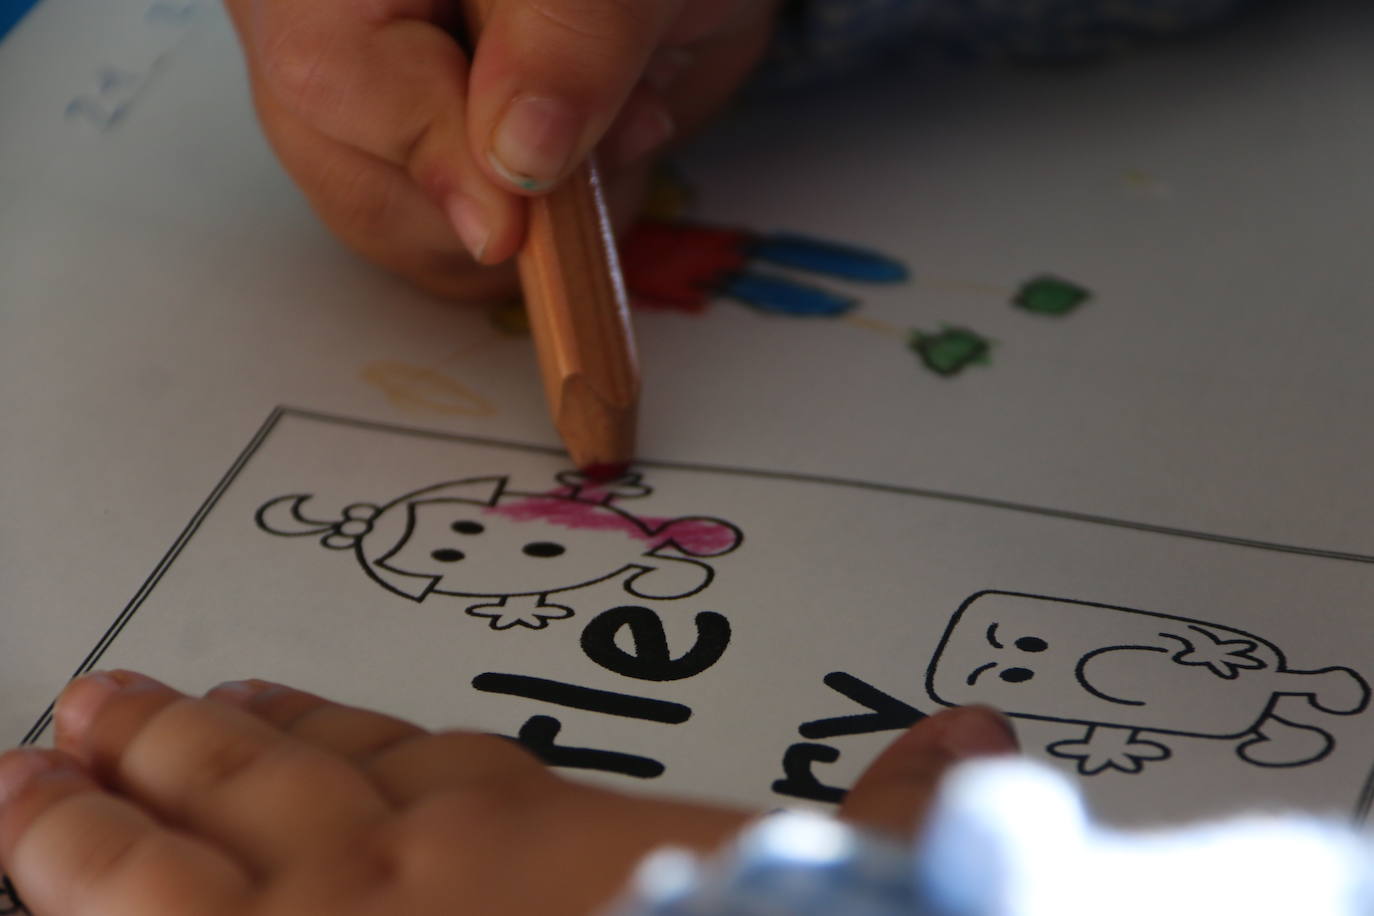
(756, 638)
(1039, 387)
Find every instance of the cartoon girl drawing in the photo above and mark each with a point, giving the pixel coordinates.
(478, 538)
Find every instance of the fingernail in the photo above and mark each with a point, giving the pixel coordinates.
(534, 141)
(83, 698)
(468, 222)
(238, 691)
(648, 129)
(976, 731)
(20, 766)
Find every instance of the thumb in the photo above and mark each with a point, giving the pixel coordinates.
(550, 76)
(895, 791)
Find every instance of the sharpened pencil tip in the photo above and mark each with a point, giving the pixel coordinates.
(600, 436)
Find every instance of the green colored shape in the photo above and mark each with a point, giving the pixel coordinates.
(952, 349)
(1049, 295)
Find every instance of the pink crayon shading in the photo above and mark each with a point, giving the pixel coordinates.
(698, 537)
(604, 473)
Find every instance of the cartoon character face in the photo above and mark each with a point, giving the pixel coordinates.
(519, 546)
(477, 538)
(1047, 658)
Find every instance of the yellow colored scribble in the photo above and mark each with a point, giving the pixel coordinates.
(873, 324)
(415, 388)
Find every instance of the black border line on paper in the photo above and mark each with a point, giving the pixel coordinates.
(1363, 803)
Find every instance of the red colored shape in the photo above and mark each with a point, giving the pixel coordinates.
(698, 537)
(604, 473)
(677, 266)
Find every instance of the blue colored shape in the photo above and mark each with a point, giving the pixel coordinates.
(784, 297)
(829, 258)
(11, 11)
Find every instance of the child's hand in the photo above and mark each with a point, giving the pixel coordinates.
(411, 153)
(260, 800)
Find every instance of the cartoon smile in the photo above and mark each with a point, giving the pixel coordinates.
(1104, 673)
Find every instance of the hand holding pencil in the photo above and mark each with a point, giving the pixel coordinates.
(414, 145)
(422, 157)
(574, 295)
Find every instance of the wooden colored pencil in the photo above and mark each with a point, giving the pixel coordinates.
(580, 320)
(578, 313)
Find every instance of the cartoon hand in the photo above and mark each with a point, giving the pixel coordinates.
(529, 611)
(1224, 657)
(629, 485)
(1105, 747)
(681, 265)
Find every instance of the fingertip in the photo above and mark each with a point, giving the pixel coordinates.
(548, 79)
(19, 766)
(947, 737)
(501, 247)
(487, 220)
(534, 143)
(895, 790)
(973, 731)
(244, 692)
(468, 220)
(83, 698)
(31, 780)
(490, 225)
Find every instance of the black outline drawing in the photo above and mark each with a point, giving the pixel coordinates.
(1362, 802)
(884, 712)
(799, 781)
(1118, 746)
(651, 660)
(608, 702)
(539, 733)
(10, 904)
(375, 535)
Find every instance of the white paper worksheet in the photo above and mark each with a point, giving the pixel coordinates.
(1044, 388)
(743, 635)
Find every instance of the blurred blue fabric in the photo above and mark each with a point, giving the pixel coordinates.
(819, 39)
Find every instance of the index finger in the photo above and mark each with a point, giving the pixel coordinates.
(893, 794)
(387, 78)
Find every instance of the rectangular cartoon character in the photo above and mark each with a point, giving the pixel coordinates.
(1123, 672)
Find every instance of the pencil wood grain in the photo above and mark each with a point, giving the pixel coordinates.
(580, 320)
(578, 312)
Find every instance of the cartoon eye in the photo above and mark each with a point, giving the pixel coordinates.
(543, 549)
(468, 527)
(1016, 675)
(447, 555)
(1031, 644)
